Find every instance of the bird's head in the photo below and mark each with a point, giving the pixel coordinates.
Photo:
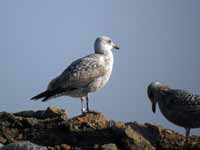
(104, 45)
(153, 92)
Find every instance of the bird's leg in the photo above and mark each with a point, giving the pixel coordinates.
(187, 133)
(82, 107)
(87, 103)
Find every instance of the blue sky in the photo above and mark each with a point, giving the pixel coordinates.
(159, 40)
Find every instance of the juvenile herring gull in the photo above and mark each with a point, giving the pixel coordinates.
(178, 106)
(84, 75)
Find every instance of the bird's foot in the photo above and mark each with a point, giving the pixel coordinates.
(83, 110)
(87, 111)
(92, 111)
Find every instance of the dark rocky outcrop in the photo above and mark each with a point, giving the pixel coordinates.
(52, 129)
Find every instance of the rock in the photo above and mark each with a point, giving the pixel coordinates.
(54, 112)
(115, 124)
(65, 147)
(51, 112)
(109, 147)
(23, 146)
(93, 120)
(54, 130)
(133, 140)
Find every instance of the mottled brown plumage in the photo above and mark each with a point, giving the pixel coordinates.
(85, 75)
(178, 106)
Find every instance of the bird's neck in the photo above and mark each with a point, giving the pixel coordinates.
(108, 56)
(103, 51)
(108, 53)
(109, 59)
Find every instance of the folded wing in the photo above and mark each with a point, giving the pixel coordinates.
(80, 73)
(184, 105)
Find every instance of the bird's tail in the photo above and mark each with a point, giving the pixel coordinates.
(46, 95)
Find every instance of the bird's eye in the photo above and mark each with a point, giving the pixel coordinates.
(109, 41)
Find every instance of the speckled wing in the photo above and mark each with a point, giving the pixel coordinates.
(80, 73)
(183, 102)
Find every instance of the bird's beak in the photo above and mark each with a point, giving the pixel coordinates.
(115, 46)
(154, 107)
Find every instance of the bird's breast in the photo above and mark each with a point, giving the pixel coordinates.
(181, 117)
(101, 81)
(109, 66)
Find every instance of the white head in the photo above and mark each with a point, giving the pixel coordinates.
(104, 45)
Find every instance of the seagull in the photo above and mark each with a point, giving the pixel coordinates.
(178, 106)
(84, 75)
